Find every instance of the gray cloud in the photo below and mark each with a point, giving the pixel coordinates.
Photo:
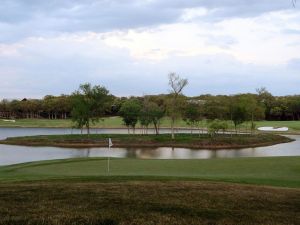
(38, 73)
(57, 66)
(24, 18)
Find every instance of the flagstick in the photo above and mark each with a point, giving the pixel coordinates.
(108, 160)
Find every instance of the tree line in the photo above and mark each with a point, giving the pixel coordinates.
(89, 103)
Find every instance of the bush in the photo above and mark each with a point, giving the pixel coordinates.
(215, 126)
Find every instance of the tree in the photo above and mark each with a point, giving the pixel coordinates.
(217, 107)
(49, 106)
(239, 115)
(192, 114)
(130, 112)
(156, 114)
(145, 114)
(267, 99)
(177, 84)
(64, 105)
(151, 112)
(215, 126)
(89, 105)
(254, 110)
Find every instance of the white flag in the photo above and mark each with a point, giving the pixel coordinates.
(110, 143)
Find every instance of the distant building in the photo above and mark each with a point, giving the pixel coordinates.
(197, 101)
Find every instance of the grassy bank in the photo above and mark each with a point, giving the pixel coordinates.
(147, 203)
(162, 140)
(79, 191)
(116, 122)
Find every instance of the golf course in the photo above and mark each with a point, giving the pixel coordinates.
(116, 122)
(111, 190)
(223, 191)
(154, 112)
(277, 171)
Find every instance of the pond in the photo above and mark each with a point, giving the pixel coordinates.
(19, 154)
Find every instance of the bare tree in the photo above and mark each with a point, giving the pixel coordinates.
(177, 84)
(294, 2)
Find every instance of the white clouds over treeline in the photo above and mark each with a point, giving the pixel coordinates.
(50, 47)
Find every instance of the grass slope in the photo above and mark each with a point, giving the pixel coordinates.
(276, 171)
(163, 140)
(80, 192)
(147, 203)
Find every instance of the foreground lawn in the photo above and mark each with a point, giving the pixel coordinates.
(81, 192)
(116, 122)
(275, 171)
(144, 202)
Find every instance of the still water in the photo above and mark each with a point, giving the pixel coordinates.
(19, 154)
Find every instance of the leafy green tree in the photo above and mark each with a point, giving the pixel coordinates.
(49, 106)
(4, 109)
(130, 112)
(254, 110)
(156, 114)
(89, 105)
(217, 107)
(293, 103)
(192, 114)
(145, 115)
(215, 126)
(239, 115)
(64, 105)
(267, 99)
(15, 108)
(281, 111)
(177, 84)
(151, 113)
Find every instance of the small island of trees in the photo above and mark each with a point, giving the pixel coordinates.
(214, 121)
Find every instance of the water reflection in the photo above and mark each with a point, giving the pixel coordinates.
(14, 132)
(18, 154)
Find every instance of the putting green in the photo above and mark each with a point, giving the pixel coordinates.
(274, 171)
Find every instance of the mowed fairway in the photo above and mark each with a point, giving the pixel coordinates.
(79, 191)
(116, 122)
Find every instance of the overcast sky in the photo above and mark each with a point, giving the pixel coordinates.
(129, 46)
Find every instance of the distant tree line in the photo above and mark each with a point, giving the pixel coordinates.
(148, 110)
(50, 107)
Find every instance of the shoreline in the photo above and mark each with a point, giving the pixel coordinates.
(149, 141)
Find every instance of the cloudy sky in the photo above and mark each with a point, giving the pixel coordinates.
(129, 46)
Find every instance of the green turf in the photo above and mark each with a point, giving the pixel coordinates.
(116, 122)
(276, 171)
(81, 192)
(108, 122)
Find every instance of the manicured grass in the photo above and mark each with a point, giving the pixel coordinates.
(276, 171)
(151, 140)
(116, 122)
(36, 123)
(108, 122)
(81, 192)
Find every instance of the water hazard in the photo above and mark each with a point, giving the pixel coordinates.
(19, 154)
